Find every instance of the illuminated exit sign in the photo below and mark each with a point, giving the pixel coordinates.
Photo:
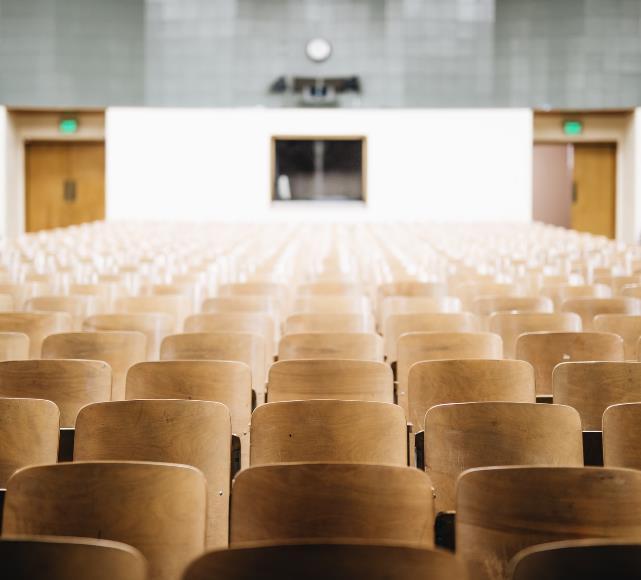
(572, 127)
(68, 125)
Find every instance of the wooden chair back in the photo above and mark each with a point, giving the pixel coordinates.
(70, 384)
(470, 291)
(36, 325)
(339, 561)
(241, 303)
(306, 501)
(462, 436)
(399, 324)
(6, 303)
(227, 382)
(254, 322)
(196, 433)
(314, 322)
(356, 380)
(154, 325)
(120, 350)
(29, 432)
(158, 508)
(330, 289)
(585, 559)
(14, 346)
(331, 345)
(559, 293)
(176, 306)
(485, 306)
(588, 308)
(417, 305)
(78, 307)
(627, 326)
(622, 435)
(31, 557)
(510, 325)
(232, 346)
(422, 346)
(328, 431)
(319, 304)
(591, 387)
(496, 515)
(544, 350)
(439, 382)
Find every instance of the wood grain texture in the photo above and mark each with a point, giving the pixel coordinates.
(417, 305)
(20, 293)
(622, 435)
(331, 345)
(254, 322)
(485, 306)
(330, 379)
(470, 291)
(329, 322)
(14, 346)
(331, 305)
(330, 289)
(510, 325)
(326, 430)
(78, 307)
(242, 303)
(154, 325)
(320, 561)
(502, 510)
(588, 308)
(233, 346)
(421, 346)
(227, 382)
(544, 350)
(6, 303)
(55, 558)
(440, 382)
(120, 350)
(47, 166)
(36, 325)
(158, 508)
(298, 501)
(591, 387)
(585, 559)
(399, 324)
(627, 326)
(29, 430)
(559, 293)
(196, 433)
(70, 384)
(463, 436)
(175, 306)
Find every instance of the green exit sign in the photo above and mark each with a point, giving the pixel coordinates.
(572, 127)
(68, 125)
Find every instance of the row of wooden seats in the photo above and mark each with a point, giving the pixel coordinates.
(482, 434)
(585, 386)
(325, 499)
(70, 558)
(496, 517)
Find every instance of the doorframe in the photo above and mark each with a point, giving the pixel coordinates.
(40, 125)
(611, 127)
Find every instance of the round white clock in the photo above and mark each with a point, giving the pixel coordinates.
(318, 49)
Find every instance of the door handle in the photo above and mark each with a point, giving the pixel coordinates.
(69, 191)
(575, 192)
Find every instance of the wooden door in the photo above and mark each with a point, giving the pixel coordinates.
(593, 196)
(65, 184)
(552, 184)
